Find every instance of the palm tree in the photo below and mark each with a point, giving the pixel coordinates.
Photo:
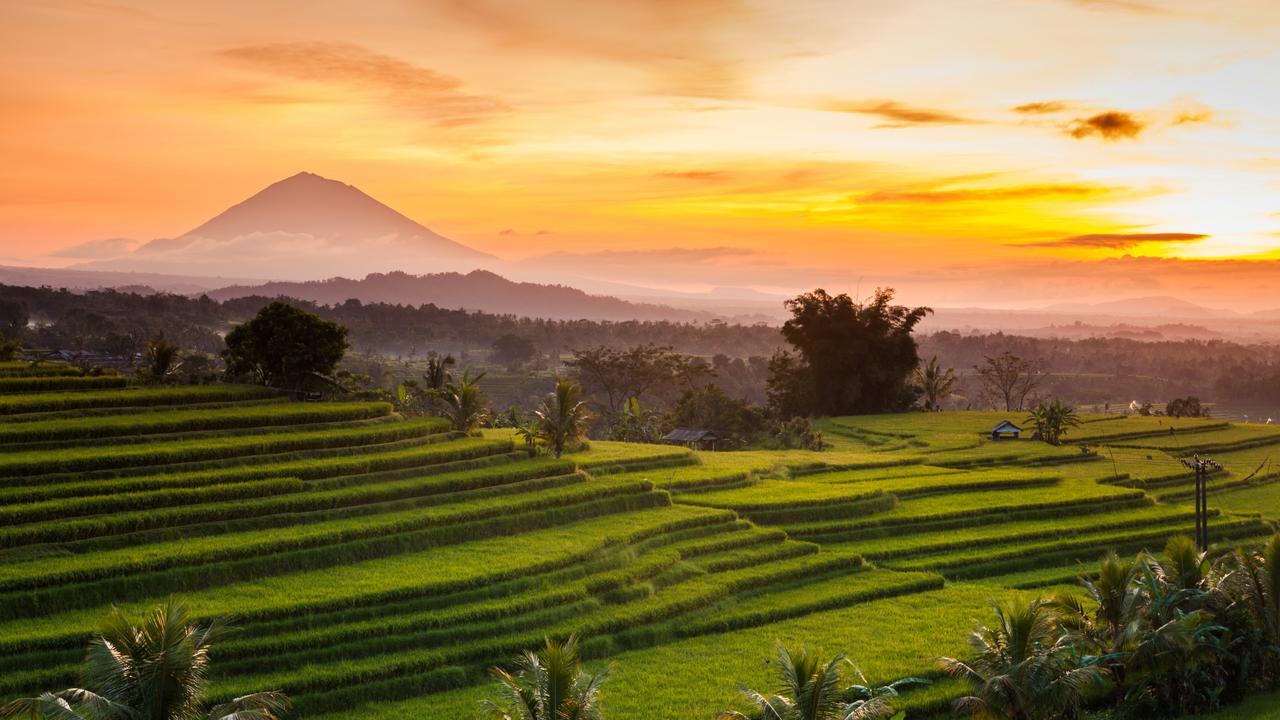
(465, 404)
(934, 383)
(162, 359)
(562, 418)
(549, 684)
(437, 374)
(152, 668)
(1256, 581)
(1052, 420)
(812, 690)
(1024, 667)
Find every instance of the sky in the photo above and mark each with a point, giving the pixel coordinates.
(967, 152)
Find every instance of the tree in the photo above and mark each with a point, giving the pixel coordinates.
(9, 350)
(464, 404)
(934, 384)
(1023, 667)
(813, 690)
(1186, 407)
(562, 418)
(616, 376)
(789, 387)
(1009, 379)
(162, 359)
(513, 350)
(549, 684)
(1052, 420)
(636, 423)
(154, 667)
(437, 373)
(1255, 581)
(14, 316)
(709, 407)
(859, 354)
(284, 346)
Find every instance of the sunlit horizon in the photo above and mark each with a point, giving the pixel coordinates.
(950, 149)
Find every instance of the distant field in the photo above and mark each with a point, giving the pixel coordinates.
(379, 564)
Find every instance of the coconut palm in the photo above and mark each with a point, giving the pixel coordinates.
(1024, 667)
(562, 418)
(162, 359)
(464, 404)
(154, 667)
(934, 383)
(813, 690)
(1256, 582)
(437, 374)
(549, 684)
(1052, 420)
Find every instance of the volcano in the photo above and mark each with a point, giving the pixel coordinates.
(303, 227)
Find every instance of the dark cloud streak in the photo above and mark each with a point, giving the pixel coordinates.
(1117, 241)
(1110, 125)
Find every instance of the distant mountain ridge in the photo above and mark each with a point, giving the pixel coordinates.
(477, 290)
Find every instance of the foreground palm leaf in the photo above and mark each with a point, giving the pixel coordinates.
(549, 684)
(813, 690)
(152, 668)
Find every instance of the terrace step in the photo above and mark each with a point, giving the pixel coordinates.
(896, 525)
(1086, 548)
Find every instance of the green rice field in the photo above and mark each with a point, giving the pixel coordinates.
(377, 565)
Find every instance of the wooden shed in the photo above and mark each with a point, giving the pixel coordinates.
(1006, 430)
(699, 438)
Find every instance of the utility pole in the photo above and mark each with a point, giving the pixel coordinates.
(1202, 468)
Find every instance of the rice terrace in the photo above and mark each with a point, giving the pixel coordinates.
(378, 564)
(639, 360)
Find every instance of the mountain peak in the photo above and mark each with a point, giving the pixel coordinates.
(305, 223)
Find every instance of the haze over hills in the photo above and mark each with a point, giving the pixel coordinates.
(476, 290)
(302, 227)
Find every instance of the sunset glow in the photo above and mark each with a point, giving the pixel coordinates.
(844, 140)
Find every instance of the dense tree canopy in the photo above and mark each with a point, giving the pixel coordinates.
(859, 356)
(285, 346)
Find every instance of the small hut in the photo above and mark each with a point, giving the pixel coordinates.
(1006, 430)
(697, 438)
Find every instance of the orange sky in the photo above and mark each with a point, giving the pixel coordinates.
(859, 138)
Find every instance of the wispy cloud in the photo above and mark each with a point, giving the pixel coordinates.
(1117, 241)
(1193, 117)
(1110, 125)
(357, 69)
(98, 249)
(990, 194)
(898, 114)
(1047, 107)
(1134, 6)
(702, 175)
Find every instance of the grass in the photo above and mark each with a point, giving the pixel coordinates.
(131, 397)
(378, 565)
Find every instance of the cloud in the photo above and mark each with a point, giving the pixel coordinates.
(660, 255)
(992, 194)
(1193, 117)
(898, 114)
(704, 175)
(98, 249)
(513, 231)
(1117, 241)
(1110, 125)
(1133, 6)
(683, 48)
(1041, 108)
(421, 91)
